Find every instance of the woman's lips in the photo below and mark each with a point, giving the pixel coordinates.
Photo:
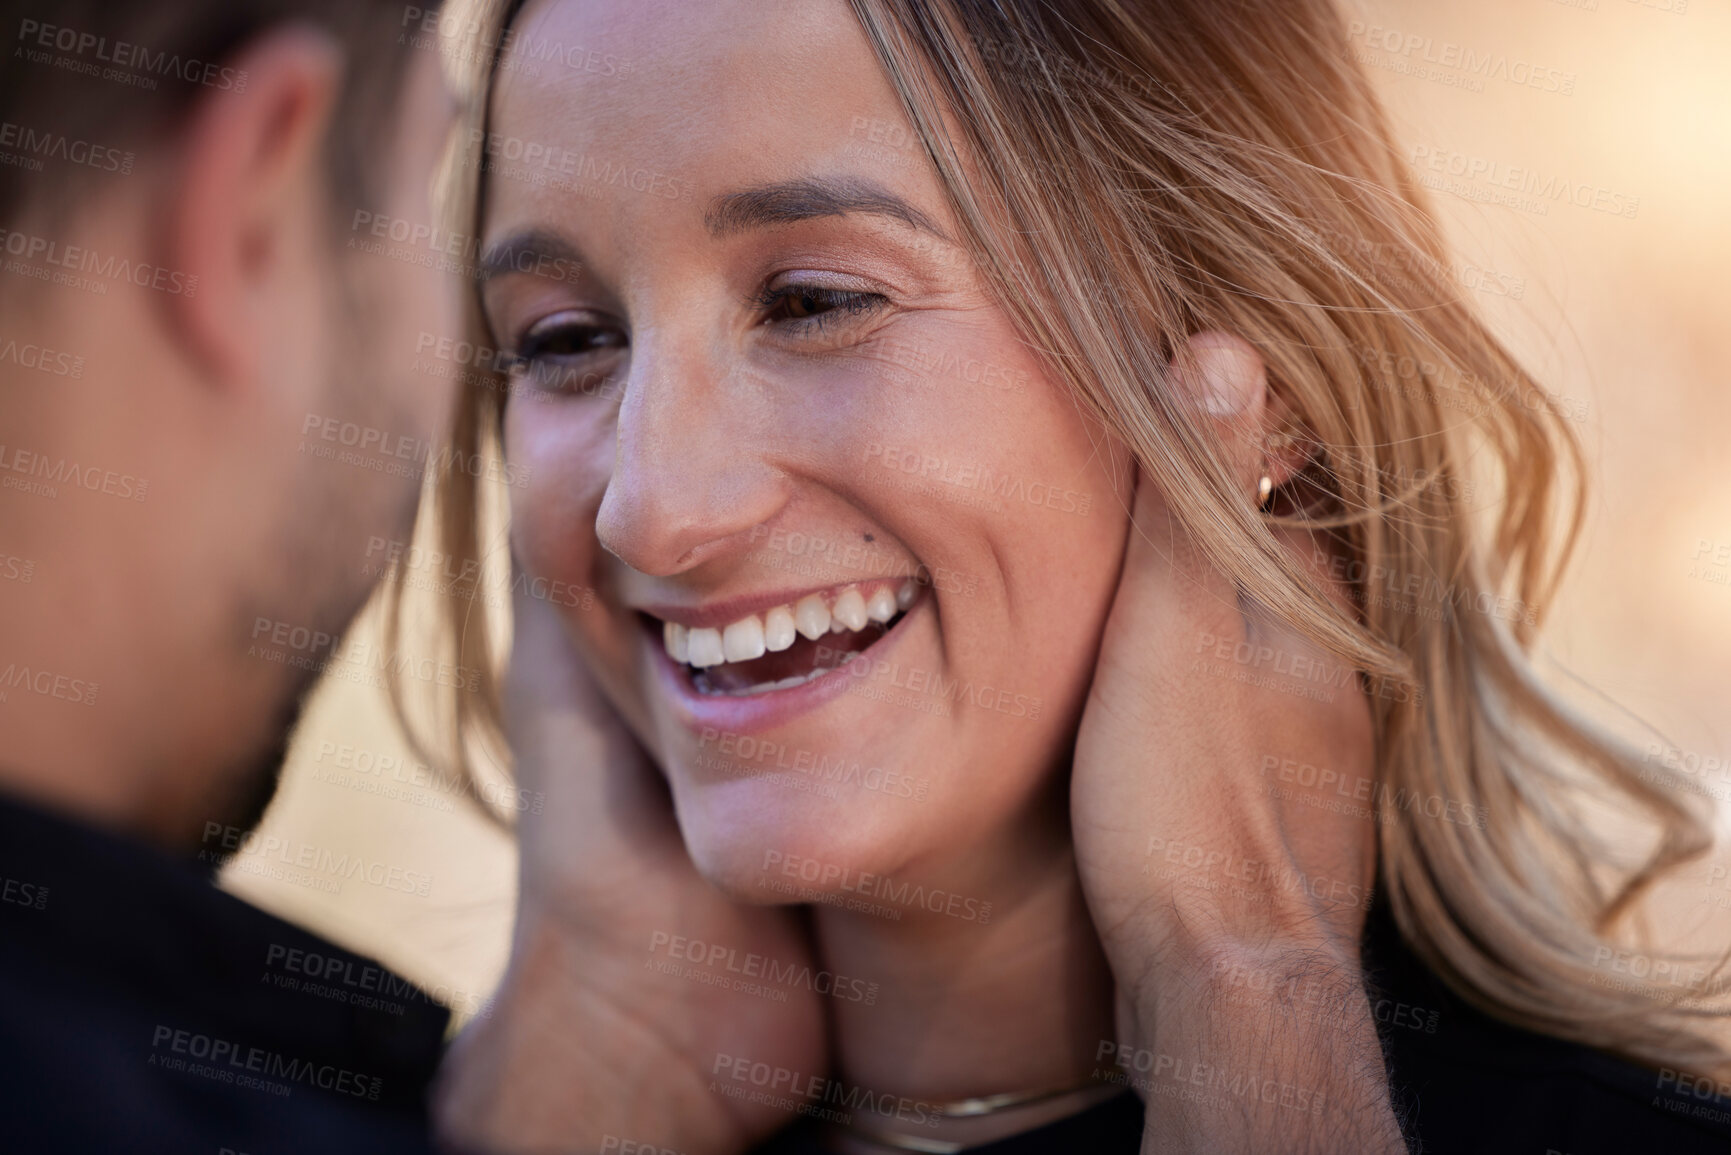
(749, 687)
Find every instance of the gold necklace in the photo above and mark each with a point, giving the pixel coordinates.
(964, 1109)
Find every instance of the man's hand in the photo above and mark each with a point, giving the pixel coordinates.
(586, 1038)
(1229, 901)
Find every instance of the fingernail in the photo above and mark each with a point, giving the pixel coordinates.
(1230, 377)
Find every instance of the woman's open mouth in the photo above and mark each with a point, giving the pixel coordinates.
(786, 645)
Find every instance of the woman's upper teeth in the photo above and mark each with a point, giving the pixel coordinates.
(753, 635)
(849, 610)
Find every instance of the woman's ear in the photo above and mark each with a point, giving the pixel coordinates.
(1227, 380)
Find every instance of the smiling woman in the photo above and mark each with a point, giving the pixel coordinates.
(1151, 486)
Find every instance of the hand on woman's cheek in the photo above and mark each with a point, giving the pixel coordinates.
(562, 448)
(604, 877)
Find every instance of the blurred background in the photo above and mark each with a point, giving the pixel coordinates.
(1583, 174)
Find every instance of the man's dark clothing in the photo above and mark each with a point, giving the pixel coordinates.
(144, 1010)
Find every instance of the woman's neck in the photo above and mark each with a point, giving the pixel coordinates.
(966, 1007)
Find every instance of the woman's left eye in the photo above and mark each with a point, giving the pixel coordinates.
(815, 306)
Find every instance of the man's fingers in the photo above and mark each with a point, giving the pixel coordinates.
(1226, 382)
(555, 714)
(1175, 596)
(1169, 595)
(547, 674)
(540, 670)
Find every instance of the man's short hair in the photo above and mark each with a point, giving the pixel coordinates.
(88, 86)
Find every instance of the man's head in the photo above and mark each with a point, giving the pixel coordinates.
(218, 255)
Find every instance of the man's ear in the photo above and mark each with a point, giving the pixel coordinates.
(1228, 380)
(248, 162)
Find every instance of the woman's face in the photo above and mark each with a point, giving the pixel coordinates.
(764, 405)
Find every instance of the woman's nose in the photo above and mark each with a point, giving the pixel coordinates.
(691, 471)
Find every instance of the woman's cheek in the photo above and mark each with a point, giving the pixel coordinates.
(564, 452)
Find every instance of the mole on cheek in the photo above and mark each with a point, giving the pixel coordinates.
(869, 537)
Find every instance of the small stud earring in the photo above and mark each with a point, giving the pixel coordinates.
(1263, 489)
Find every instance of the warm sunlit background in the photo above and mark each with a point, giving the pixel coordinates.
(1627, 315)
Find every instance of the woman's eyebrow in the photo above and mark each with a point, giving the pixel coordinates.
(528, 251)
(788, 202)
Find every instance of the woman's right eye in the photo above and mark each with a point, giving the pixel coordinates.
(566, 335)
(571, 351)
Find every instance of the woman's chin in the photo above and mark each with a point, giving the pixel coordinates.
(769, 846)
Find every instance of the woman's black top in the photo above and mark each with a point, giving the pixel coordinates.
(1463, 1083)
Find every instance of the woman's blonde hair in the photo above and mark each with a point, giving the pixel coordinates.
(1125, 173)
